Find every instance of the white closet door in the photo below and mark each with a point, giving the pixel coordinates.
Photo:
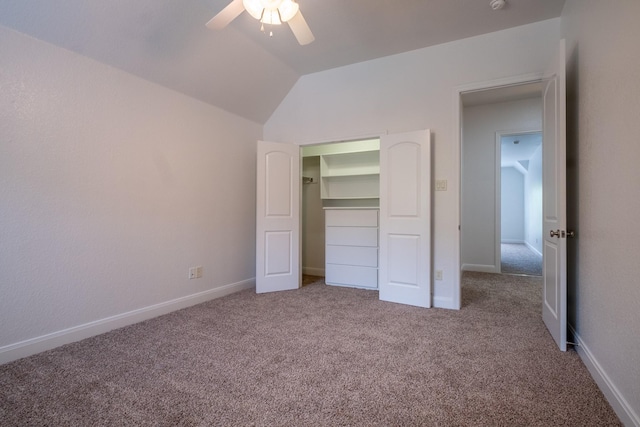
(554, 205)
(405, 218)
(278, 217)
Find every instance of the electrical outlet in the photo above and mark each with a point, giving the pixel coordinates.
(198, 272)
(438, 274)
(441, 185)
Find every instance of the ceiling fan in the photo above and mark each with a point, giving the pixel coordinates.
(269, 12)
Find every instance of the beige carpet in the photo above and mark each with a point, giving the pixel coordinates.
(317, 356)
(517, 258)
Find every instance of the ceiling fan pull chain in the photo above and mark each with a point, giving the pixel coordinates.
(262, 20)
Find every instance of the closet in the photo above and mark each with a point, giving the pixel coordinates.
(365, 217)
(341, 189)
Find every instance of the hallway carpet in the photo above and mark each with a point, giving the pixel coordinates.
(517, 258)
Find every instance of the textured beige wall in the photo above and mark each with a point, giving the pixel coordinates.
(604, 188)
(111, 187)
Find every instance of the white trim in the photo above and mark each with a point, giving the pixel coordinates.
(445, 302)
(537, 252)
(42, 343)
(480, 268)
(498, 205)
(502, 82)
(457, 174)
(617, 401)
(457, 151)
(342, 138)
(313, 271)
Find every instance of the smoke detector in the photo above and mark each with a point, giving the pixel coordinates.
(497, 4)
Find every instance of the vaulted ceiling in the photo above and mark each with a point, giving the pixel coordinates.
(239, 68)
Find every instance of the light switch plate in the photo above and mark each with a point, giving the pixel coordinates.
(441, 185)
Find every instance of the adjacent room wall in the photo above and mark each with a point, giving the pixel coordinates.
(111, 188)
(410, 91)
(478, 199)
(312, 219)
(512, 205)
(533, 203)
(603, 188)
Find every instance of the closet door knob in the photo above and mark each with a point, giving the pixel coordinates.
(554, 233)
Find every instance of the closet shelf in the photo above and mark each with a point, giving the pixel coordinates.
(350, 175)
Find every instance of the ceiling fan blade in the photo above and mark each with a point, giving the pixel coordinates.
(226, 15)
(300, 29)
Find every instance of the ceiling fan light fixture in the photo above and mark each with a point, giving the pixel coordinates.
(271, 12)
(254, 7)
(288, 9)
(271, 17)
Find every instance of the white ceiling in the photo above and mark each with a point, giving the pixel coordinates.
(240, 69)
(521, 152)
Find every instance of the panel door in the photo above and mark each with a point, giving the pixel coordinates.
(405, 218)
(277, 217)
(554, 304)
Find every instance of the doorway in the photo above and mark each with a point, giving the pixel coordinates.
(335, 175)
(519, 213)
(487, 117)
(552, 85)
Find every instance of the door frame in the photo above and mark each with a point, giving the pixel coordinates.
(458, 91)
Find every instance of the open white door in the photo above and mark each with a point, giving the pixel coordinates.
(554, 205)
(277, 217)
(405, 218)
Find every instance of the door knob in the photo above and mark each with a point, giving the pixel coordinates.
(554, 233)
(571, 233)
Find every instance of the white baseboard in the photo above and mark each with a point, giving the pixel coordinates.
(42, 343)
(481, 268)
(312, 271)
(534, 250)
(625, 412)
(448, 303)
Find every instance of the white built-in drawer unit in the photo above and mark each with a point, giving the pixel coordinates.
(351, 247)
